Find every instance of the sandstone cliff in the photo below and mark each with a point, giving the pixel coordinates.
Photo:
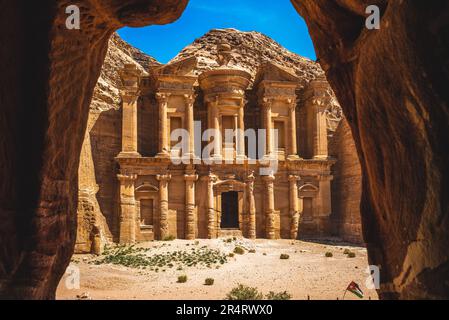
(97, 180)
(102, 144)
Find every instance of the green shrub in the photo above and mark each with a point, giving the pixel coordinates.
(229, 240)
(182, 279)
(242, 292)
(169, 238)
(284, 256)
(197, 242)
(239, 250)
(231, 255)
(351, 255)
(347, 251)
(328, 255)
(209, 282)
(252, 251)
(278, 296)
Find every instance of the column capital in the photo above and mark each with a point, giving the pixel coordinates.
(291, 103)
(212, 99)
(250, 178)
(189, 99)
(190, 177)
(162, 97)
(163, 177)
(243, 102)
(127, 177)
(267, 102)
(269, 179)
(210, 178)
(294, 178)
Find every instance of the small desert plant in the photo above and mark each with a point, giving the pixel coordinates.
(231, 255)
(351, 255)
(284, 256)
(229, 240)
(328, 255)
(239, 250)
(346, 251)
(169, 238)
(182, 279)
(252, 251)
(278, 296)
(197, 242)
(242, 292)
(209, 282)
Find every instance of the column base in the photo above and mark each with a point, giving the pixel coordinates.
(321, 158)
(241, 158)
(127, 154)
(293, 157)
(163, 155)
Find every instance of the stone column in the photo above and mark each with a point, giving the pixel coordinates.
(293, 152)
(190, 205)
(163, 204)
(214, 123)
(127, 209)
(251, 207)
(320, 149)
(164, 151)
(268, 125)
(294, 206)
(129, 93)
(241, 133)
(190, 126)
(269, 207)
(218, 139)
(211, 223)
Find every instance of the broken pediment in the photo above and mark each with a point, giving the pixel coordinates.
(270, 71)
(184, 67)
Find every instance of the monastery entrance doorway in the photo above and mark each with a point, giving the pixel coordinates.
(230, 210)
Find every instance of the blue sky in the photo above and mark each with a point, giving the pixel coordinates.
(275, 18)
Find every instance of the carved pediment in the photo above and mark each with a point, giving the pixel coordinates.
(308, 187)
(146, 187)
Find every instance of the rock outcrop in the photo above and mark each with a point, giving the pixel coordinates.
(48, 77)
(102, 143)
(392, 85)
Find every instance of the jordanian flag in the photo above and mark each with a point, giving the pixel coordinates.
(355, 289)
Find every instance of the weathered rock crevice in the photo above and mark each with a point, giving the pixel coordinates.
(389, 84)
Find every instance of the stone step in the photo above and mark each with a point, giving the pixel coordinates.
(226, 233)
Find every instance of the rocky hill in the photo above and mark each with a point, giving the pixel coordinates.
(106, 94)
(250, 49)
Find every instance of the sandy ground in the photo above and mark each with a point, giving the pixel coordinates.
(307, 273)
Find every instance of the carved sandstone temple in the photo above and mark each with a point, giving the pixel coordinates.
(159, 198)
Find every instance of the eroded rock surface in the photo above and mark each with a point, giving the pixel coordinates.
(392, 85)
(48, 77)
